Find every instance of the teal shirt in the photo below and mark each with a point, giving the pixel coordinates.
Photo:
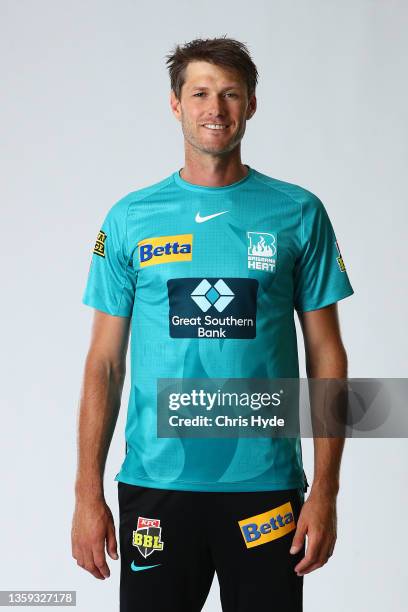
(173, 254)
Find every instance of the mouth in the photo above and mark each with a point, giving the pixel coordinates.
(215, 127)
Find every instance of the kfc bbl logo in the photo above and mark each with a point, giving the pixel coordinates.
(146, 537)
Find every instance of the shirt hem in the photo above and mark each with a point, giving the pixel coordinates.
(211, 486)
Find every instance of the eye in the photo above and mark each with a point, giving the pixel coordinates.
(202, 93)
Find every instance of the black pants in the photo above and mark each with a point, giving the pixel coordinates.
(171, 542)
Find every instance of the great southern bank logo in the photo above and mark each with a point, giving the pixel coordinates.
(262, 249)
(212, 307)
(268, 526)
(206, 295)
(165, 249)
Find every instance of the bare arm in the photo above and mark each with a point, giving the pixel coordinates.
(325, 358)
(104, 374)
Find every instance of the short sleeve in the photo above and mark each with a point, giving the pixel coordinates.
(320, 276)
(110, 285)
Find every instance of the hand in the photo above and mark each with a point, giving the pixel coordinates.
(92, 524)
(318, 518)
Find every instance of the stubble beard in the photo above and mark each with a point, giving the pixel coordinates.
(190, 135)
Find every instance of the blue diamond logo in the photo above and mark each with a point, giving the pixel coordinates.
(219, 296)
(212, 295)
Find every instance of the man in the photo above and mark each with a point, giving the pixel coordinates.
(206, 268)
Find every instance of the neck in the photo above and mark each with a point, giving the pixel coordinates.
(213, 171)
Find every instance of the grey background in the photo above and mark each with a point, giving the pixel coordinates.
(85, 119)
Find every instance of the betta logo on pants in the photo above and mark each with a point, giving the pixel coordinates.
(268, 526)
(212, 307)
(146, 537)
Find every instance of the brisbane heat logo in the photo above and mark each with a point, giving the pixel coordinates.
(146, 537)
(262, 251)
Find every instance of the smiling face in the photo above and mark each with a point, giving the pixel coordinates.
(214, 107)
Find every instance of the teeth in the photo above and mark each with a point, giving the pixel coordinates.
(215, 126)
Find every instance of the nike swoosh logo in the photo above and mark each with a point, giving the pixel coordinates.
(138, 568)
(200, 219)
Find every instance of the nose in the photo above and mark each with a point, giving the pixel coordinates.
(216, 107)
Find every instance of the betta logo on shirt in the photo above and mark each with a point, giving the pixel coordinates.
(268, 526)
(165, 249)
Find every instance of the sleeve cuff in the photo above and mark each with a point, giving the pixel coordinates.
(326, 301)
(93, 302)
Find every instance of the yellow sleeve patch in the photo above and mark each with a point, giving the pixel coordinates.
(99, 248)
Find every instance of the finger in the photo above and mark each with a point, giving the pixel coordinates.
(312, 555)
(331, 549)
(90, 566)
(111, 543)
(311, 568)
(75, 551)
(298, 540)
(99, 560)
(327, 551)
(307, 565)
(326, 548)
(75, 548)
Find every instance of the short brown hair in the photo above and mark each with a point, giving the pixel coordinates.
(219, 51)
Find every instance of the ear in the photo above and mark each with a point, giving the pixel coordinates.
(252, 105)
(175, 105)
